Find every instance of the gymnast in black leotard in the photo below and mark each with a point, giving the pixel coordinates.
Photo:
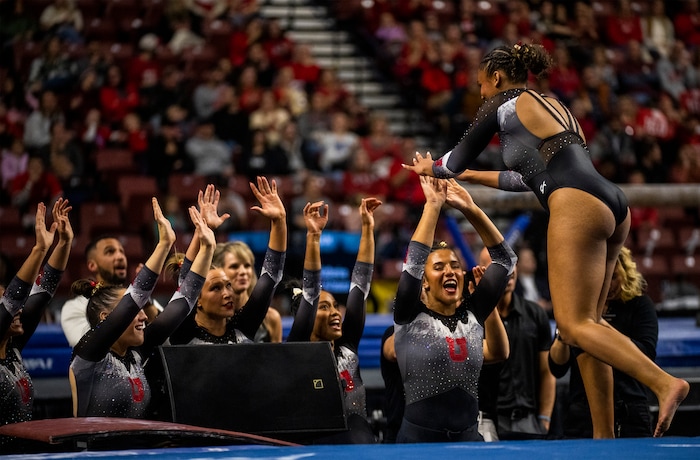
(439, 326)
(543, 145)
(216, 318)
(22, 305)
(106, 373)
(318, 318)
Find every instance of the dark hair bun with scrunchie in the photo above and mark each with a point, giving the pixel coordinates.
(85, 287)
(294, 287)
(534, 57)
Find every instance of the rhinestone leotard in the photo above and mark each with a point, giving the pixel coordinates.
(544, 165)
(439, 356)
(109, 385)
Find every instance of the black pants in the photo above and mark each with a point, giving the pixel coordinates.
(412, 433)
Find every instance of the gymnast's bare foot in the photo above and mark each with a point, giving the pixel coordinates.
(668, 405)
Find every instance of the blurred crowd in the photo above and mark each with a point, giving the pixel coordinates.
(214, 89)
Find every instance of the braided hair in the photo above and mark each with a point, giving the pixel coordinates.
(516, 61)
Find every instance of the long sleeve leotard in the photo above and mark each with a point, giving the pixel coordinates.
(16, 389)
(110, 385)
(439, 356)
(245, 323)
(540, 165)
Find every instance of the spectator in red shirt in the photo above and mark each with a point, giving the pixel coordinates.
(564, 80)
(305, 66)
(249, 90)
(623, 26)
(277, 44)
(404, 186)
(332, 90)
(382, 146)
(117, 98)
(687, 23)
(144, 70)
(412, 57)
(241, 39)
(136, 138)
(37, 184)
(361, 180)
(443, 75)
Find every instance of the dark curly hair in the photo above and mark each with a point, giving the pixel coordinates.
(516, 61)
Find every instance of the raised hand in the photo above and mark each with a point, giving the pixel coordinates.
(435, 190)
(457, 196)
(477, 273)
(60, 211)
(271, 205)
(208, 202)
(202, 229)
(315, 216)
(44, 236)
(367, 208)
(166, 234)
(422, 165)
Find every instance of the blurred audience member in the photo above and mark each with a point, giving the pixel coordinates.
(63, 19)
(336, 144)
(212, 157)
(37, 128)
(37, 185)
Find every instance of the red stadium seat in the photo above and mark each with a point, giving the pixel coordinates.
(11, 219)
(98, 218)
(114, 161)
(656, 270)
(186, 187)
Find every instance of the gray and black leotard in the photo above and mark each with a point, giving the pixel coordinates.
(109, 385)
(245, 323)
(544, 165)
(16, 388)
(439, 356)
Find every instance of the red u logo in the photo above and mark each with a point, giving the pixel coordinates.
(460, 354)
(24, 390)
(349, 384)
(136, 389)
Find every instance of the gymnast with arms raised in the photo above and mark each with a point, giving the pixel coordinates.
(107, 371)
(543, 146)
(440, 326)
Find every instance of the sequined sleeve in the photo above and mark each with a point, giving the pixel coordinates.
(493, 283)
(407, 301)
(41, 294)
(512, 181)
(15, 295)
(142, 287)
(181, 304)
(11, 302)
(475, 139)
(305, 317)
(184, 270)
(503, 254)
(360, 283)
(96, 343)
(251, 316)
